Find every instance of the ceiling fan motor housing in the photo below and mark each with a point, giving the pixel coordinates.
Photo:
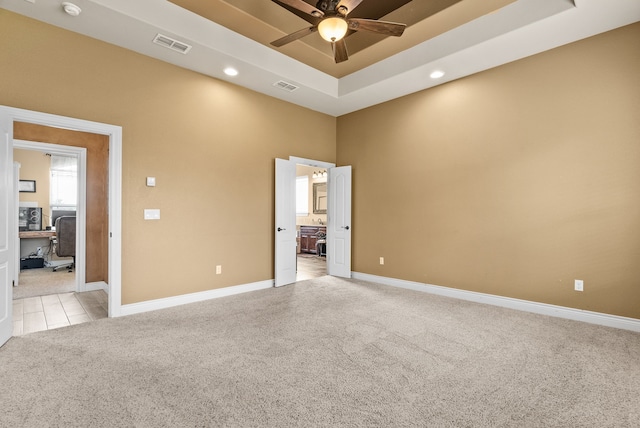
(330, 7)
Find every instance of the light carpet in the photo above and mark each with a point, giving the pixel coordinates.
(42, 282)
(324, 352)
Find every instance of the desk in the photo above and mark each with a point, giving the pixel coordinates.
(30, 240)
(30, 234)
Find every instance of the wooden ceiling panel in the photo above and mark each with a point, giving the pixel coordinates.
(265, 21)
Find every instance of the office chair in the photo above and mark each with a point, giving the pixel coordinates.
(66, 240)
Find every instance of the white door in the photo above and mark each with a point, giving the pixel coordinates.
(16, 227)
(7, 238)
(285, 223)
(339, 222)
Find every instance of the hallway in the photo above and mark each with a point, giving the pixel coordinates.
(51, 311)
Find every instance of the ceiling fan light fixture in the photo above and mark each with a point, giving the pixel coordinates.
(333, 29)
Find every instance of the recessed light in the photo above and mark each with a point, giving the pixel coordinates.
(436, 74)
(230, 71)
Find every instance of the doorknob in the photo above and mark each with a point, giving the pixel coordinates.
(281, 229)
(345, 227)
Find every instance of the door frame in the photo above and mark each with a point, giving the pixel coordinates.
(312, 162)
(316, 164)
(80, 153)
(115, 184)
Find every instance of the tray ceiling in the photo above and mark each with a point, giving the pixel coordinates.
(458, 37)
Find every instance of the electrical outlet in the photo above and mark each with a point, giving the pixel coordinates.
(218, 269)
(381, 260)
(579, 285)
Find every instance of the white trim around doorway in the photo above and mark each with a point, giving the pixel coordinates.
(315, 164)
(81, 210)
(311, 162)
(115, 184)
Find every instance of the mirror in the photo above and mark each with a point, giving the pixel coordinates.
(319, 198)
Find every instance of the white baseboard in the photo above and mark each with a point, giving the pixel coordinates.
(168, 302)
(98, 285)
(615, 321)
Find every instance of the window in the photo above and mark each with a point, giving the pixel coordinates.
(64, 182)
(302, 195)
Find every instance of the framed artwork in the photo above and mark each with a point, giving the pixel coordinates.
(28, 186)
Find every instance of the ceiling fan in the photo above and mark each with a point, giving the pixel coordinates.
(329, 18)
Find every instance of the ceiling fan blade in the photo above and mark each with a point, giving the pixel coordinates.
(340, 51)
(294, 36)
(381, 27)
(302, 6)
(349, 4)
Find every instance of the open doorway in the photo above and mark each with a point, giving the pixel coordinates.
(53, 176)
(50, 290)
(338, 220)
(28, 125)
(311, 222)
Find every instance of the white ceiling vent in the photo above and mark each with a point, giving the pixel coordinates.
(285, 86)
(172, 44)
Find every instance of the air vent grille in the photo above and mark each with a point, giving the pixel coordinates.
(172, 44)
(285, 86)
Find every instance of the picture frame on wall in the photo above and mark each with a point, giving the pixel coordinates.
(28, 186)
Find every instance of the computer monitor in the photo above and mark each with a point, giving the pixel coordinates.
(59, 213)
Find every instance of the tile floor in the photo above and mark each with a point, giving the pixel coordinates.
(40, 313)
(310, 266)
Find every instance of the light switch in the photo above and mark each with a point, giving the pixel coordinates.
(153, 214)
(151, 181)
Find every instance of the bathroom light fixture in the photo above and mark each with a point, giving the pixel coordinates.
(319, 174)
(71, 9)
(333, 28)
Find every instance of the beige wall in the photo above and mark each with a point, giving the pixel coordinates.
(210, 144)
(514, 182)
(35, 166)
